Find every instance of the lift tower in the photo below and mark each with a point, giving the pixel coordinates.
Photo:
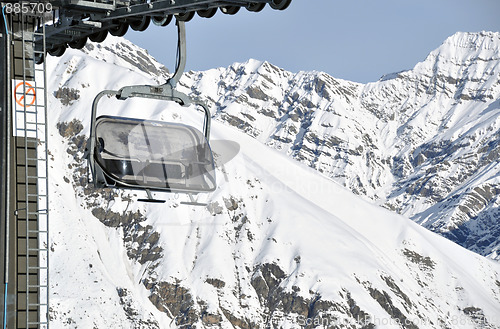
(24, 184)
(29, 31)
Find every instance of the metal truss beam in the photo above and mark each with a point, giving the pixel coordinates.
(78, 19)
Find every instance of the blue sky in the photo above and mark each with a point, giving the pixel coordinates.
(357, 40)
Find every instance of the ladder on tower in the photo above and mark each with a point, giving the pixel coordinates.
(31, 173)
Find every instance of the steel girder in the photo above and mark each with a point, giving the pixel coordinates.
(77, 19)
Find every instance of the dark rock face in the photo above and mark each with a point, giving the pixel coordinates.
(70, 130)
(386, 303)
(308, 312)
(425, 263)
(132, 313)
(174, 300)
(66, 95)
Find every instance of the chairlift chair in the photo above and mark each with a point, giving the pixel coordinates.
(152, 155)
(149, 154)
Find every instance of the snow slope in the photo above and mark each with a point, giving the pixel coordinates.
(422, 142)
(279, 245)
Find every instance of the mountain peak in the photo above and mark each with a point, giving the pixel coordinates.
(484, 40)
(464, 53)
(253, 66)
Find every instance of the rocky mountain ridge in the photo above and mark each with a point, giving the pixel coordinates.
(423, 142)
(279, 246)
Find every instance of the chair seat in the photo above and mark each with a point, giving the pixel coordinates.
(153, 154)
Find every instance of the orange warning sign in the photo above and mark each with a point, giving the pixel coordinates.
(25, 94)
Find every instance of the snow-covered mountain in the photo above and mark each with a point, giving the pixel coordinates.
(423, 142)
(280, 245)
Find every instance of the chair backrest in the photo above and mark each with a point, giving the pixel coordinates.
(154, 155)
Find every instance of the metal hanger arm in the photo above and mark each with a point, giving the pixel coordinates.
(181, 53)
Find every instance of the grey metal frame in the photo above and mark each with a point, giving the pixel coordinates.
(77, 19)
(165, 92)
(35, 133)
(4, 167)
(25, 203)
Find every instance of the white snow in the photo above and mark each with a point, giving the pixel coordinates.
(326, 239)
